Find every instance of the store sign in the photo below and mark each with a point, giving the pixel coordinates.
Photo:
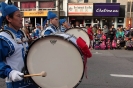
(35, 13)
(106, 9)
(78, 9)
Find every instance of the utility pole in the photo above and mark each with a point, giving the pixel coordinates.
(131, 1)
(58, 11)
(131, 11)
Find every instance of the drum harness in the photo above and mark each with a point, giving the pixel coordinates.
(22, 41)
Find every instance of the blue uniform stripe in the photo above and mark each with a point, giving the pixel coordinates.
(12, 49)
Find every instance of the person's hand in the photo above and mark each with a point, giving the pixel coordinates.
(15, 75)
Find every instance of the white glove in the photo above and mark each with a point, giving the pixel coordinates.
(15, 75)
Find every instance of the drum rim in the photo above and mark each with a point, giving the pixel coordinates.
(81, 29)
(25, 60)
(76, 28)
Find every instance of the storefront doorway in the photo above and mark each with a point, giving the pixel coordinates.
(32, 19)
(76, 21)
(108, 22)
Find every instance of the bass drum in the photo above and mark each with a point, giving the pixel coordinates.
(79, 32)
(60, 57)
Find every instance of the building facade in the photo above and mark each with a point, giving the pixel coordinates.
(35, 11)
(105, 12)
(86, 12)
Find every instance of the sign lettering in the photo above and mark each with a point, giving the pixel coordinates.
(80, 9)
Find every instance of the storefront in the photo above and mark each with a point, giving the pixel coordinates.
(37, 16)
(107, 14)
(34, 17)
(77, 13)
(91, 14)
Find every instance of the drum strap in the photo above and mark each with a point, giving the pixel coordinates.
(85, 50)
(85, 67)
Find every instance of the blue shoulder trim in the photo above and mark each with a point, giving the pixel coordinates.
(12, 49)
(48, 32)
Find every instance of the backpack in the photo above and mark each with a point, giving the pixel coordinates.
(103, 37)
(102, 45)
(114, 44)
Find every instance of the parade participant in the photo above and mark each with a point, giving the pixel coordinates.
(64, 25)
(38, 30)
(53, 26)
(90, 33)
(30, 40)
(12, 47)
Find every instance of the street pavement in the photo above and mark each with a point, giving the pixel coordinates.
(100, 67)
(106, 62)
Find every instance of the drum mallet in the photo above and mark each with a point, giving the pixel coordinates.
(43, 74)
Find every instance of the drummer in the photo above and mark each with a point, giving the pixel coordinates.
(12, 50)
(64, 25)
(53, 26)
(38, 30)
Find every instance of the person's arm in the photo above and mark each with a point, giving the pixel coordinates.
(123, 34)
(37, 33)
(4, 50)
(117, 34)
(62, 29)
(92, 32)
(88, 31)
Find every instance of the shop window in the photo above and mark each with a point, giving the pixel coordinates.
(71, 1)
(128, 6)
(122, 11)
(120, 20)
(96, 20)
(108, 1)
(61, 5)
(87, 20)
(114, 1)
(46, 4)
(111, 1)
(86, 1)
(24, 5)
(32, 4)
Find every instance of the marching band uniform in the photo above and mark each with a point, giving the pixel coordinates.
(38, 31)
(51, 27)
(63, 29)
(13, 47)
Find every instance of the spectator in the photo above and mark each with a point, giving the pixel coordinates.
(111, 34)
(120, 33)
(90, 33)
(120, 37)
(110, 37)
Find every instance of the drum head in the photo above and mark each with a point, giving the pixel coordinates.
(77, 32)
(59, 58)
